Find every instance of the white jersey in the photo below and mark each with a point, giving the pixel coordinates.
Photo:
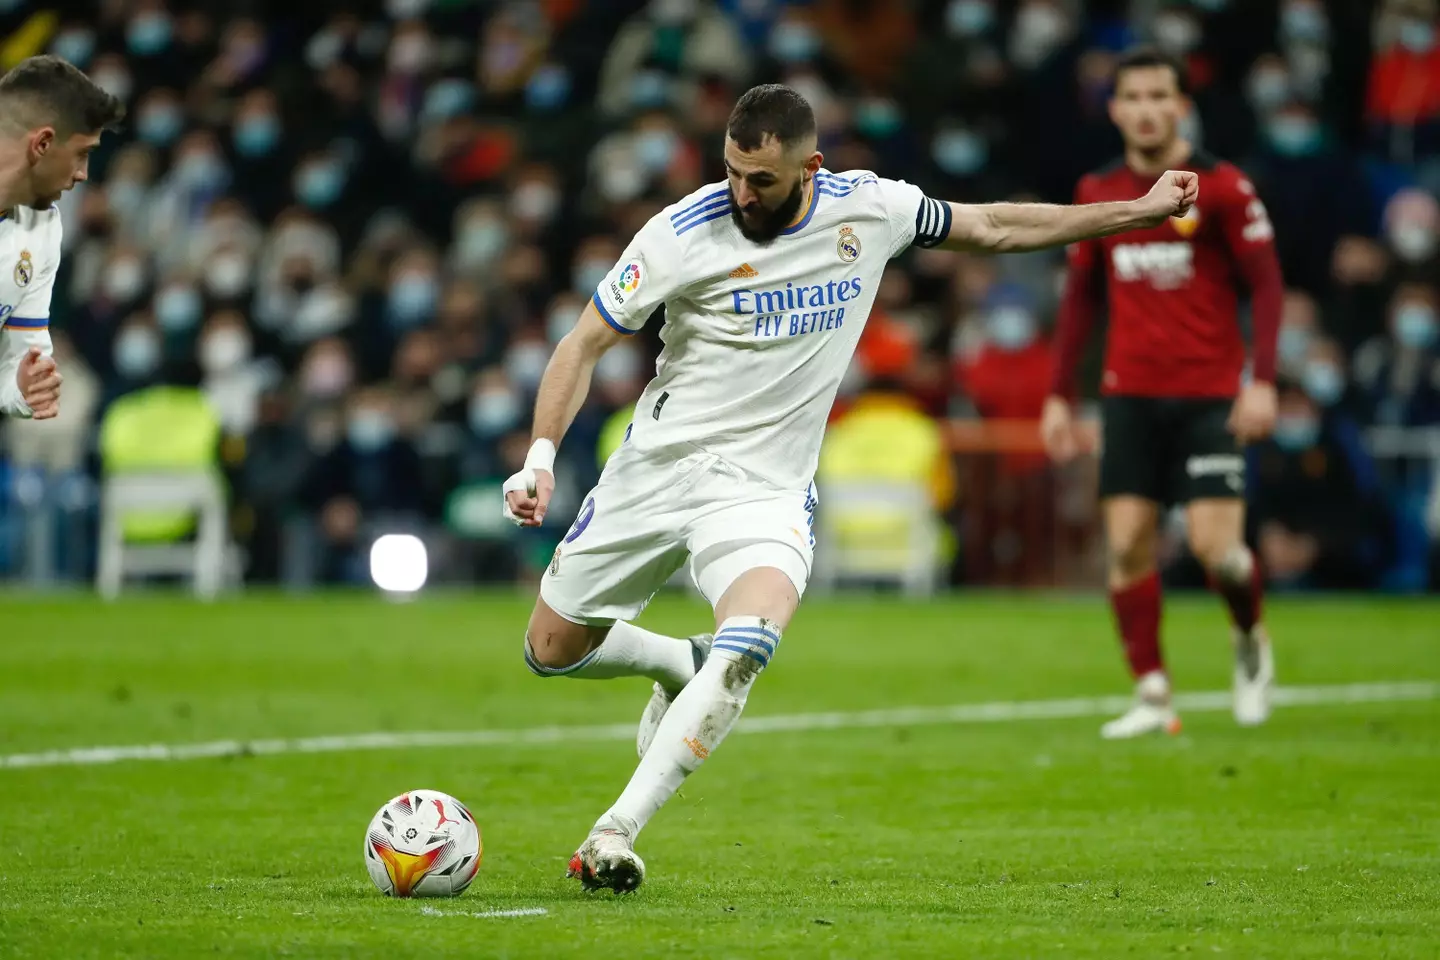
(757, 337)
(29, 259)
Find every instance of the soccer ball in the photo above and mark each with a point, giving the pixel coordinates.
(422, 844)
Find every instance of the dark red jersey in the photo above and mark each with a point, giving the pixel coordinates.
(1174, 290)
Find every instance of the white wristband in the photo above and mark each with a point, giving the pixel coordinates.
(541, 456)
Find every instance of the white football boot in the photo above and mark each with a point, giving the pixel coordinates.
(661, 699)
(1254, 676)
(607, 861)
(1152, 712)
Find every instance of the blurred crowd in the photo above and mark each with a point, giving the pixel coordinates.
(359, 228)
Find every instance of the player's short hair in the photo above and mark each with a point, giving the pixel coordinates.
(770, 110)
(1143, 58)
(48, 91)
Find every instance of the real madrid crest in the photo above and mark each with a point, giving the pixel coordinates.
(24, 269)
(848, 246)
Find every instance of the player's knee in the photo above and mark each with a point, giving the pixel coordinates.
(1133, 556)
(556, 653)
(1228, 562)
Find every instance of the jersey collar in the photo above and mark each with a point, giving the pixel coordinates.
(809, 212)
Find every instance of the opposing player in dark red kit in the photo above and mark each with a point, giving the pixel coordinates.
(1176, 406)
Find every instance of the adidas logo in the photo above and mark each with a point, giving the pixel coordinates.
(743, 272)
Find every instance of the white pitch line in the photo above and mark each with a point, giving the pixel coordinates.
(486, 914)
(1005, 711)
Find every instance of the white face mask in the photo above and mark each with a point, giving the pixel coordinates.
(618, 364)
(228, 276)
(1413, 242)
(224, 350)
(124, 280)
(535, 201)
(525, 365)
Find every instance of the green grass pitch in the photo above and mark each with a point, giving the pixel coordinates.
(1317, 835)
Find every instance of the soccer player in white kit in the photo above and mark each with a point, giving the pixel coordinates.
(51, 117)
(767, 280)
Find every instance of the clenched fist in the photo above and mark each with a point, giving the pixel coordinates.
(39, 383)
(1172, 196)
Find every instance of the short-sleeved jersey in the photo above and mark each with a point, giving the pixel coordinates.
(758, 336)
(1174, 289)
(29, 260)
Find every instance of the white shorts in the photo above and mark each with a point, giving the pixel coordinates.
(648, 513)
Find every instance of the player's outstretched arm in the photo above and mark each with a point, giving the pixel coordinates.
(562, 392)
(1021, 227)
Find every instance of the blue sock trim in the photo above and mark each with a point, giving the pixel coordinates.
(749, 637)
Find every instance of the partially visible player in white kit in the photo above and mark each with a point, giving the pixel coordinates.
(51, 117)
(767, 281)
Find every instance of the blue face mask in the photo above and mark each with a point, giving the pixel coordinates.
(76, 46)
(370, 432)
(482, 241)
(1415, 327)
(1417, 36)
(320, 185)
(877, 119)
(1294, 136)
(548, 88)
(413, 299)
(137, 354)
(148, 34)
(1323, 383)
(1294, 434)
(1292, 345)
(655, 149)
(178, 309)
(448, 98)
(1010, 328)
(969, 18)
(960, 153)
(649, 90)
(1304, 22)
(257, 136)
(588, 276)
(201, 171)
(793, 42)
(495, 413)
(159, 126)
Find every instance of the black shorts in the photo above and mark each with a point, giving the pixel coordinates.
(1170, 451)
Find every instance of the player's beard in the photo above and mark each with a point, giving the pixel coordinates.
(772, 222)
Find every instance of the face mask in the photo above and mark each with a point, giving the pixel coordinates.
(1413, 242)
(589, 274)
(228, 277)
(960, 153)
(620, 182)
(369, 432)
(1177, 34)
(1415, 326)
(148, 34)
(1296, 433)
(525, 365)
(1417, 36)
(1323, 383)
(1294, 136)
(320, 312)
(117, 83)
(327, 376)
(124, 280)
(1292, 345)
(409, 54)
(1304, 22)
(794, 42)
(481, 241)
(448, 98)
(224, 351)
(125, 196)
(200, 171)
(618, 364)
(877, 118)
(655, 149)
(160, 126)
(76, 46)
(1038, 30)
(257, 135)
(535, 201)
(319, 185)
(1268, 89)
(412, 299)
(1011, 328)
(494, 413)
(560, 322)
(969, 18)
(649, 90)
(137, 354)
(178, 309)
(548, 88)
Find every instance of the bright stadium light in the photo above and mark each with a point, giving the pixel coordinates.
(398, 563)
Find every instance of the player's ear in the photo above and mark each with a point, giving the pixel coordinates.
(42, 141)
(814, 163)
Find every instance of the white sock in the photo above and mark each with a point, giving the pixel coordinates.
(628, 651)
(697, 721)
